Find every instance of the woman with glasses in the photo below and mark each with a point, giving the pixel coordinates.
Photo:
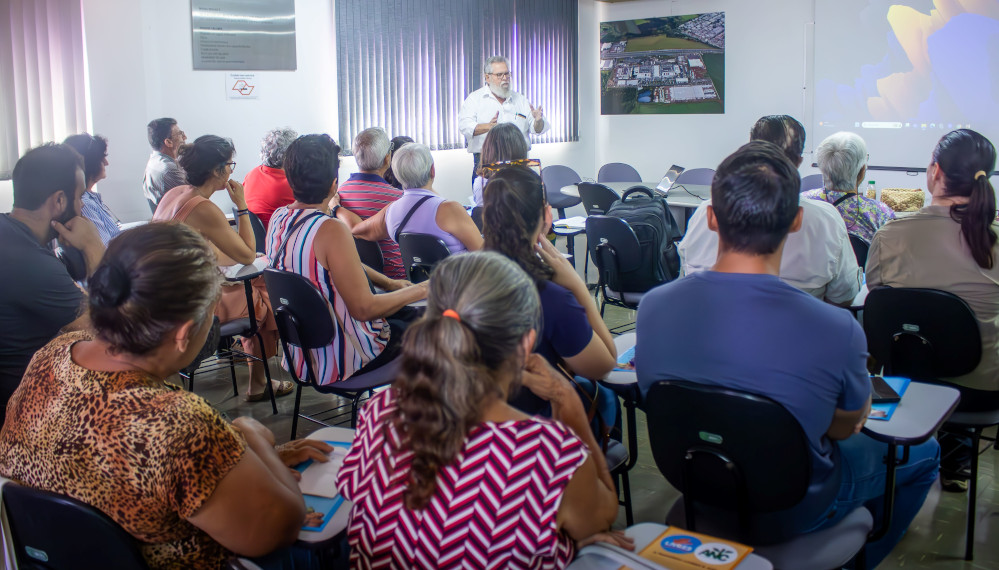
(208, 164)
(504, 144)
(94, 150)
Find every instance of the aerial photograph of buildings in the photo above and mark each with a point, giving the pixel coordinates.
(663, 65)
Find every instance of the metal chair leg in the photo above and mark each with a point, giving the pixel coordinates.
(294, 415)
(267, 371)
(969, 545)
(629, 515)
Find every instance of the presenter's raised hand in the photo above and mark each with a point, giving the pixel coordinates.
(537, 112)
(494, 120)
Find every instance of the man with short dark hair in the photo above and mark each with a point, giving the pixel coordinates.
(162, 170)
(745, 329)
(39, 296)
(818, 259)
(366, 192)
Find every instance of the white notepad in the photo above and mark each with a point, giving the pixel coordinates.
(320, 478)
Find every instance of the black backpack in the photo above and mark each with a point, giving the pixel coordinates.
(656, 229)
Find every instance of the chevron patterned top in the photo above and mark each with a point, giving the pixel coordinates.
(495, 504)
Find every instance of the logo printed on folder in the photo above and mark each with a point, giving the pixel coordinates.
(680, 544)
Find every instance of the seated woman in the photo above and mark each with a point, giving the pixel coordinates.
(842, 158)
(420, 209)
(428, 437)
(208, 164)
(94, 419)
(504, 142)
(573, 335)
(951, 245)
(397, 143)
(265, 186)
(94, 150)
(306, 238)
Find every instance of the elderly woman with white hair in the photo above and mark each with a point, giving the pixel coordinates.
(842, 158)
(265, 186)
(420, 209)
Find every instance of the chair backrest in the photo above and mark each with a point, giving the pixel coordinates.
(259, 232)
(54, 531)
(596, 198)
(812, 182)
(860, 247)
(420, 253)
(555, 178)
(921, 333)
(476, 214)
(614, 249)
(618, 172)
(302, 313)
(370, 253)
(702, 176)
(729, 450)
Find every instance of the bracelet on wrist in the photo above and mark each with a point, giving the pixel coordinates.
(242, 212)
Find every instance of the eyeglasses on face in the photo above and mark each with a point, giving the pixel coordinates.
(231, 164)
(504, 75)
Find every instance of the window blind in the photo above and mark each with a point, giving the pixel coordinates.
(42, 74)
(407, 65)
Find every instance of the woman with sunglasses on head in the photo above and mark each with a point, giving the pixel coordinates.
(443, 472)
(94, 150)
(209, 165)
(516, 219)
(504, 143)
(951, 245)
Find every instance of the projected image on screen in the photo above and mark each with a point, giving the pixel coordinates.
(903, 73)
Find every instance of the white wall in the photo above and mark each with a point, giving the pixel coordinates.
(768, 71)
(143, 71)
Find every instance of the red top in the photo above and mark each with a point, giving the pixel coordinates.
(495, 505)
(266, 190)
(365, 195)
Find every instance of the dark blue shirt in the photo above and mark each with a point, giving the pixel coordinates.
(37, 298)
(757, 334)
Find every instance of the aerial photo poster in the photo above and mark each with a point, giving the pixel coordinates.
(672, 65)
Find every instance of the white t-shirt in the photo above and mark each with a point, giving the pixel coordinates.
(818, 259)
(481, 106)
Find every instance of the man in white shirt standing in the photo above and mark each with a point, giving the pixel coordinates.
(818, 259)
(497, 103)
(162, 170)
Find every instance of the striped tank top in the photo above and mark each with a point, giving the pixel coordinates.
(355, 343)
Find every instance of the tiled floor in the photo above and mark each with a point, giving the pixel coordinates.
(935, 539)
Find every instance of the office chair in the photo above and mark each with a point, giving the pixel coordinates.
(698, 176)
(617, 255)
(860, 248)
(618, 172)
(259, 232)
(53, 532)
(370, 253)
(928, 334)
(304, 321)
(596, 198)
(420, 253)
(812, 182)
(736, 482)
(555, 177)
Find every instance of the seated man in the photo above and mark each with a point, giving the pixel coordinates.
(367, 192)
(162, 170)
(745, 329)
(39, 296)
(818, 259)
(842, 158)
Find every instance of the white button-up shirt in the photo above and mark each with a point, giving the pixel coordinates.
(818, 258)
(481, 106)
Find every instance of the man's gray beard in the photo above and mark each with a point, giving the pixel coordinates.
(500, 92)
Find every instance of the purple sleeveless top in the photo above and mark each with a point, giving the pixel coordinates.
(424, 221)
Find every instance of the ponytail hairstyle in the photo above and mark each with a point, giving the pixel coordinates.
(513, 207)
(479, 307)
(967, 159)
(151, 279)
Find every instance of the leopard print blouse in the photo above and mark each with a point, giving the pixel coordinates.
(147, 454)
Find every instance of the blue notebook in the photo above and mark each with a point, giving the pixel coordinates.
(885, 411)
(320, 510)
(626, 360)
